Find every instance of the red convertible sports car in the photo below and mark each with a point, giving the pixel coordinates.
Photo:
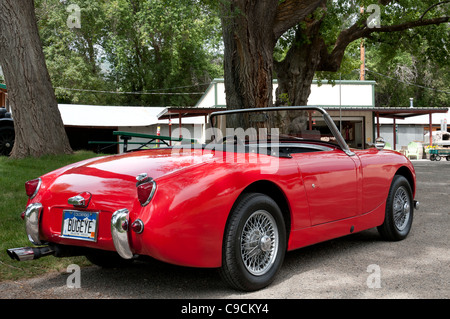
(268, 181)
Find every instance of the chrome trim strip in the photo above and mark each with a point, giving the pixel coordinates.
(119, 235)
(152, 193)
(37, 188)
(32, 218)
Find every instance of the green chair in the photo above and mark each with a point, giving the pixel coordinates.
(412, 150)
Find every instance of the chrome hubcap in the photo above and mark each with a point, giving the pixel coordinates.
(259, 243)
(402, 208)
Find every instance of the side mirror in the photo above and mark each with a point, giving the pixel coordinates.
(380, 143)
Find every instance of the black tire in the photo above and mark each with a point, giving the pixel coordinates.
(254, 243)
(6, 140)
(399, 211)
(107, 259)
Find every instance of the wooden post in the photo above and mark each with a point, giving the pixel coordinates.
(395, 135)
(2, 99)
(430, 127)
(179, 119)
(378, 124)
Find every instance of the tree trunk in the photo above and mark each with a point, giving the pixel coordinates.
(248, 57)
(38, 125)
(251, 29)
(296, 72)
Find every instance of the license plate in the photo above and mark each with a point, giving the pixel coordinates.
(80, 225)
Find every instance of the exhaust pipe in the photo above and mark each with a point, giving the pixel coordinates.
(29, 253)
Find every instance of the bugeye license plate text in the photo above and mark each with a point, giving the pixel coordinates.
(80, 225)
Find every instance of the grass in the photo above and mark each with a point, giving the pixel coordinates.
(13, 175)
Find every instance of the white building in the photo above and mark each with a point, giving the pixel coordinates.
(350, 103)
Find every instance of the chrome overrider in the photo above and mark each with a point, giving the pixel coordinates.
(119, 232)
(32, 218)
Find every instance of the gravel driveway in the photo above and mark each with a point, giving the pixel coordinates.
(357, 266)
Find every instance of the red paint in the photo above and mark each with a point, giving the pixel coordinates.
(327, 193)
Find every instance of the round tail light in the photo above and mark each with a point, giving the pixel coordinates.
(137, 226)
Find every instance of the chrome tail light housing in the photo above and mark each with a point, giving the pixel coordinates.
(32, 187)
(146, 188)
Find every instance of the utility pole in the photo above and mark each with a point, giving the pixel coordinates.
(362, 72)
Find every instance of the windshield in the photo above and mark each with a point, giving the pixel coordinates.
(269, 125)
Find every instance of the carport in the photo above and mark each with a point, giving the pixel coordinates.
(396, 113)
(185, 112)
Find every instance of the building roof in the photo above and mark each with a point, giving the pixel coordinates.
(113, 116)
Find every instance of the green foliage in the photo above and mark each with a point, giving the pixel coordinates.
(130, 46)
(413, 63)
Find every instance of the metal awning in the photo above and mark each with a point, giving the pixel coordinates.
(183, 112)
(179, 113)
(402, 113)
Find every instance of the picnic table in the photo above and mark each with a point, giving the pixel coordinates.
(150, 140)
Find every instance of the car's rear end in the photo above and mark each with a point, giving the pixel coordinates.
(91, 205)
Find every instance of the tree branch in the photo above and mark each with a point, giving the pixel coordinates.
(434, 5)
(290, 12)
(331, 62)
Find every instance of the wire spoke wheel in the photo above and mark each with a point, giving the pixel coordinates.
(402, 208)
(255, 241)
(399, 210)
(259, 242)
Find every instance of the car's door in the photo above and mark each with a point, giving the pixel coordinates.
(330, 181)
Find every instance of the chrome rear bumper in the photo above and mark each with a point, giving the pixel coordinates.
(32, 216)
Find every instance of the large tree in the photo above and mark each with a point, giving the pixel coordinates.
(318, 41)
(38, 125)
